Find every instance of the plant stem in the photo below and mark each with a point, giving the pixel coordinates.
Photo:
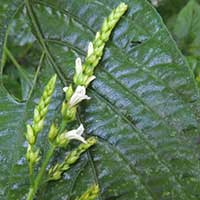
(31, 173)
(33, 189)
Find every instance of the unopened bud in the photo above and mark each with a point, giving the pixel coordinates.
(91, 193)
(68, 113)
(53, 132)
(38, 126)
(91, 140)
(61, 140)
(68, 92)
(32, 156)
(56, 175)
(72, 159)
(30, 135)
(36, 115)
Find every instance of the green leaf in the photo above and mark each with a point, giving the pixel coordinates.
(144, 108)
(169, 8)
(187, 28)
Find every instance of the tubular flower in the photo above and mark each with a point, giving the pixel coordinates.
(76, 134)
(78, 96)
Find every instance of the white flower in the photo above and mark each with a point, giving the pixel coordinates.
(65, 89)
(155, 2)
(76, 134)
(90, 49)
(90, 79)
(78, 96)
(78, 66)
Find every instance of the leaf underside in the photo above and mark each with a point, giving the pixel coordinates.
(144, 108)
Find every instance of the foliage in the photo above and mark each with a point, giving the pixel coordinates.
(144, 108)
(183, 20)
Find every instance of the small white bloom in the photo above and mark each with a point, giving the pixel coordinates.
(155, 2)
(65, 89)
(90, 79)
(76, 134)
(90, 49)
(97, 35)
(78, 66)
(78, 96)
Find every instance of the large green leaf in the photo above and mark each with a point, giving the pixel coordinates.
(187, 28)
(144, 108)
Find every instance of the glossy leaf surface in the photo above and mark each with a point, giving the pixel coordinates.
(144, 108)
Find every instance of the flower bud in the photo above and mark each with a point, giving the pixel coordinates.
(53, 132)
(30, 135)
(56, 175)
(91, 193)
(61, 140)
(64, 107)
(32, 156)
(72, 159)
(68, 113)
(68, 92)
(65, 167)
(39, 126)
(36, 115)
(92, 140)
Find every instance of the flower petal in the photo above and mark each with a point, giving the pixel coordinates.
(65, 89)
(78, 66)
(80, 129)
(78, 96)
(90, 79)
(76, 134)
(90, 49)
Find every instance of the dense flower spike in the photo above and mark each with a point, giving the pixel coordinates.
(56, 171)
(38, 121)
(42, 108)
(90, 194)
(95, 48)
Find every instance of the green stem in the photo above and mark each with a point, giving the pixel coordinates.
(33, 189)
(31, 173)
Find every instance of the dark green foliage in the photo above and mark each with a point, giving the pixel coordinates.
(144, 108)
